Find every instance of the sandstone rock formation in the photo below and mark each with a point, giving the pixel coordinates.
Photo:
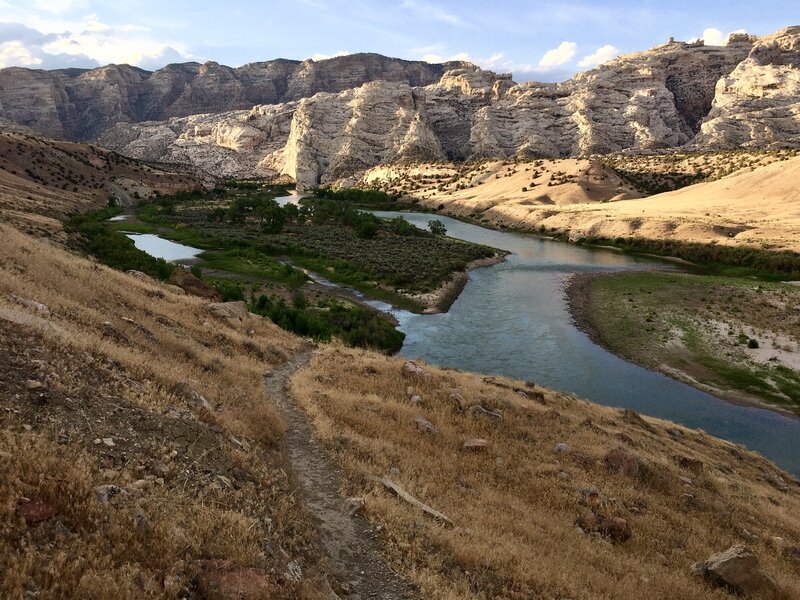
(79, 103)
(322, 122)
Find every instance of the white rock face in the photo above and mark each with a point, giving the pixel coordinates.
(758, 104)
(677, 94)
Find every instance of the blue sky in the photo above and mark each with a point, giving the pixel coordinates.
(544, 40)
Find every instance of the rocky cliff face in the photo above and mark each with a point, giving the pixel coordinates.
(758, 103)
(675, 95)
(79, 104)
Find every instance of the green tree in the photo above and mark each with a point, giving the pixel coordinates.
(436, 227)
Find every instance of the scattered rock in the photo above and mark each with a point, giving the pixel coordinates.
(414, 371)
(425, 426)
(562, 448)
(234, 312)
(457, 400)
(695, 465)
(224, 580)
(615, 529)
(675, 433)
(564, 476)
(633, 418)
(138, 274)
(776, 481)
(479, 411)
(623, 462)
(174, 289)
(476, 445)
(738, 568)
(30, 304)
(354, 505)
(416, 399)
(194, 399)
(33, 385)
(192, 285)
(109, 442)
(685, 480)
(35, 510)
(106, 493)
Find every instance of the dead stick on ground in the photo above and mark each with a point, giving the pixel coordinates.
(391, 485)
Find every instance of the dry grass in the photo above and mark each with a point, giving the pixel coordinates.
(746, 198)
(515, 513)
(43, 181)
(110, 352)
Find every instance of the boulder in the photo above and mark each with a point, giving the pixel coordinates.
(425, 426)
(615, 529)
(738, 568)
(562, 448)
(413, 371)
(192, 285)
(623, 462)
(457, 400)
(234, 312)
(192, 397)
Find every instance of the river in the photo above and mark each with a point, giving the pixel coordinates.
(511, 319)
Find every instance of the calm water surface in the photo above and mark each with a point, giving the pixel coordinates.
(161, 248)
(511, 319)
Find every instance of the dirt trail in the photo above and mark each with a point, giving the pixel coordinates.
(352, 548)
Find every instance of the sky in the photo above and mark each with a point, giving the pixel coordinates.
(534, 40)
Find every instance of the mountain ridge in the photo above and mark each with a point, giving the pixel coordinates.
(351, 113)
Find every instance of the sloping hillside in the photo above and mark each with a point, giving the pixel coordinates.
(758, 204)
(42, 181)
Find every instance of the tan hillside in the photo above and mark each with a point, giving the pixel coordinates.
(549, 460)
(758, 204)
(42, 181)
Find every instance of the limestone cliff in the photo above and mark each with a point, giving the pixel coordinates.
(79, 104)
(371, 110)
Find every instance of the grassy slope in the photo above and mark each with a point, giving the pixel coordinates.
(514, 513)
(105, 376)
(698, 327)
(43, 181)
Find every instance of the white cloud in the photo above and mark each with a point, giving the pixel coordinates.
(559, 56)
(15, 54)
(714, 37)
(432, 11)
(321, 56)
(438, 58)
(84, 43)
(598, 57)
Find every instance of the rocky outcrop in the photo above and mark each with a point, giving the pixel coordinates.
(80, 104)
(758, 103)
(335, 120)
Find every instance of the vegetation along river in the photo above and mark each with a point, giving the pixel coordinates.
(511, 319)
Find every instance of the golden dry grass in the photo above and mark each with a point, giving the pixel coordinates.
(750, 199)
(514, 513)
(212, 484)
